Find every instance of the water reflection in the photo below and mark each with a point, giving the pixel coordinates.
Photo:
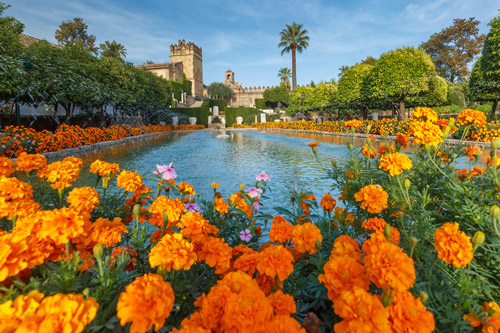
(230, 158)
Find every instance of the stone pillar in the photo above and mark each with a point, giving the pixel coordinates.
(262, 117)
(175, 121)
(216, 110)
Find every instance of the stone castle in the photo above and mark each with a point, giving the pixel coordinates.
(186, 61)
(242, 96)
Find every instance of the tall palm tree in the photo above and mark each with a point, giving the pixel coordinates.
(112, 50)
(294, 38)
(284, 74)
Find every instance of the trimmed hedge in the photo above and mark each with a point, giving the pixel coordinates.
(260, 103)
(200, 113)
(210, 103)
(247, 113)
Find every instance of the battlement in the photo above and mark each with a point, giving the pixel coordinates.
(183, 48)
(256, 89)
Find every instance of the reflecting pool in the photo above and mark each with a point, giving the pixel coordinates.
(231, 158)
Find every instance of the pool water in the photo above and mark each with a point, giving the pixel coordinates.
(231, 158)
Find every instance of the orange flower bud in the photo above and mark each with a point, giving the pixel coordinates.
(387, 232)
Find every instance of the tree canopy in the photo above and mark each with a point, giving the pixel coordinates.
(218, 90)
(454, 47)
(112, 50)
(484, 82)
(293, 38)
(350, 86)
(276, 94)
(399, 74)
(10, 30)
(74, 32)
(284, 75)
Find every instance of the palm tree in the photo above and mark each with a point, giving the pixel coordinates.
(293, 38)
(284, 74)
(112, 50)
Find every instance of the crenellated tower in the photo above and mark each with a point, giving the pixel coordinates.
(191, 58)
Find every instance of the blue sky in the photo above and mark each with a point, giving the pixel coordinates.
(243, 35)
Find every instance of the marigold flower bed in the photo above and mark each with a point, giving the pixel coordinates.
(479, 131)
(411, 245)
(15, 140)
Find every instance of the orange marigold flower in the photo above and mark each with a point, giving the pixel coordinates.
(216, 253)
(30, 162)
(305, 236)
(104, 169)
(173, 208)
(126, 253)
(215, 185)
(129, 181)
(361, 311)
(424, 114)
(407, 312)
(395, 163)
(239, 202)
(196, 227)
(282, 304)
(493, 323)
(353, 123)
(452, 245)
(328, 202)
(108, 233)
(12, 313)
(146, 302)
(378, 224)
(14, 255)
(373, 152)
(403, 140)
(425, 133)
(343, 273)
(346, 246)
(247, 262)
(314, 144)
(305, 206)
(473, 151)
(193, 324)
(221, 206)
(6, 167)
(275, 261)
(281, 230)
(383, 149)
(247, 311)
(15, 197)
(186, 189)
(373, 198)
(83, 199)
(468, 117)
(62, 225)
(173, 251)
(284, 324)
(61, 313)
(61, 173)
(387, 264)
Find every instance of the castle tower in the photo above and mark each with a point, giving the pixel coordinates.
(229, 77)
(190, 56)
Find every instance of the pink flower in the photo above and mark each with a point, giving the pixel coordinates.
(256, 206)
(245, 235)
(263, 176)
(193, 207)
(254, 192)
(167, 171)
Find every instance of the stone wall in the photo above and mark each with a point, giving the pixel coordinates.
(243, 96)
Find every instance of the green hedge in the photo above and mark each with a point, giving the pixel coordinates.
(260, 103)
(246, 112)
(200, 113)
(210, 103)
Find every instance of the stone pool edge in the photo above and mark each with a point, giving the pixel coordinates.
(104, 145)
(448, 142)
